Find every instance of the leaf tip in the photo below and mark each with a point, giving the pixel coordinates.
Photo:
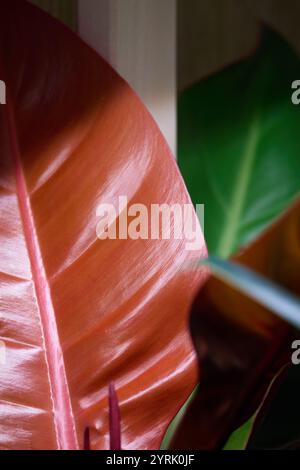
(86, 439)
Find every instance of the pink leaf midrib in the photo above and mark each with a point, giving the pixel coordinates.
(62, 409)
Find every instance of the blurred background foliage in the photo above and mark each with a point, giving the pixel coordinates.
(239, 146)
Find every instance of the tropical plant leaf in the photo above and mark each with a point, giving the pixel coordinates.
(256, 287)
(242, 346)
(77, 312)
(239, 145)
(275, 424)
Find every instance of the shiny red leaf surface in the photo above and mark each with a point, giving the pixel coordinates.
(77, 312)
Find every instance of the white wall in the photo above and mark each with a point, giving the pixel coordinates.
(138, 38)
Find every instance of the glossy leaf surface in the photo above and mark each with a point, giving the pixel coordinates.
(239, 144)
(241, 345)
(78, 312)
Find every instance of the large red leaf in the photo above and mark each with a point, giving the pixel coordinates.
(79, 312)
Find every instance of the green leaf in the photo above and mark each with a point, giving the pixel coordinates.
(239, 145)
(239, 438)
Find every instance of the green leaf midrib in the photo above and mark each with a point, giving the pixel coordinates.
(239, 194)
